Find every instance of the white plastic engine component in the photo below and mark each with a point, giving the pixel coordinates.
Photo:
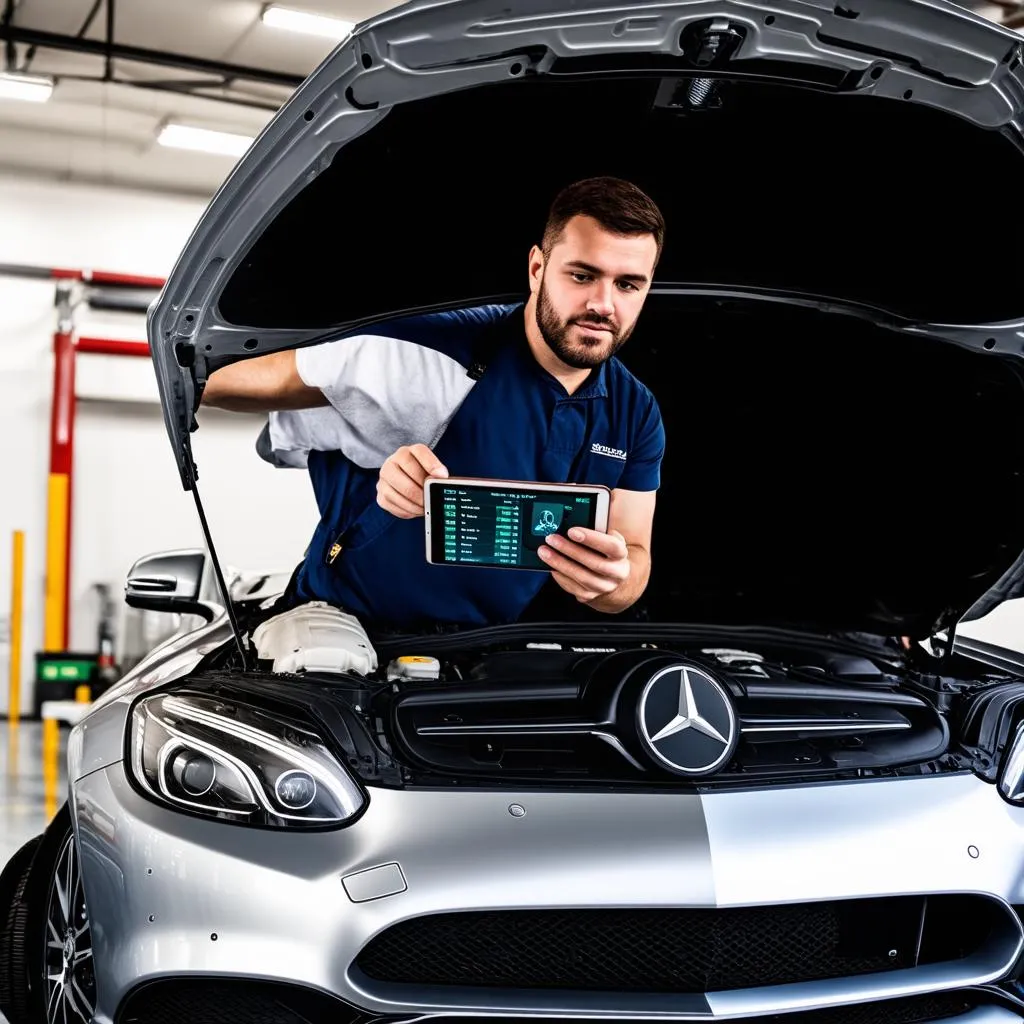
(315, 637)
(412, 666)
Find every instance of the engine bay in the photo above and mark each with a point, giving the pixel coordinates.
(629, 705)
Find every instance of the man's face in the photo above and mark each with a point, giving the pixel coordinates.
(590, 290)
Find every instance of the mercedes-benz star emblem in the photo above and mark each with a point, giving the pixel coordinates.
(686, 720)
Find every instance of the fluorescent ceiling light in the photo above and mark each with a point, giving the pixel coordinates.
(25, 87)
(203, 140)
(310, 24)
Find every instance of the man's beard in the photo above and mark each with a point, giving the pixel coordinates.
(581, 355)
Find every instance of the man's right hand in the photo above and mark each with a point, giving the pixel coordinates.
(400, 487)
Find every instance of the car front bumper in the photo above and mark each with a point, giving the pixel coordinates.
(174, 896)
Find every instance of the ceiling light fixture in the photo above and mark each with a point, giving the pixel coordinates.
(203, 140)
(31, 88)
(303, 21)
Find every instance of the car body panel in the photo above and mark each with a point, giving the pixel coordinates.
(279, 910)
(98, 738)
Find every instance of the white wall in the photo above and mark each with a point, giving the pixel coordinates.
(127, 500)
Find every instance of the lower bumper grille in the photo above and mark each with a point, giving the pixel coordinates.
(915, 1010)
(230, 1001)
(678, 950)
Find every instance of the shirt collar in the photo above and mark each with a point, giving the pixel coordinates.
(595, 386)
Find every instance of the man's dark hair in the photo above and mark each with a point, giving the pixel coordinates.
(618, 206)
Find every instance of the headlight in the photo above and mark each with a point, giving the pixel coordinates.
(238, 763)
(1011, 780)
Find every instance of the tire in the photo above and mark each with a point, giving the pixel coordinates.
(14, 970)
(57, 951)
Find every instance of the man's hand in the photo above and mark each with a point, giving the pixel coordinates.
(588, 564)
(607, 571)
(400, 486)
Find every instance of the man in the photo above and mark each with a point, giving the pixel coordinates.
(524, 392)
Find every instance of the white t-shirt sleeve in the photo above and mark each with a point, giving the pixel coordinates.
(383, 392)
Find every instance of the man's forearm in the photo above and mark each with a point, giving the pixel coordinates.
(264, 384)
(628, 592)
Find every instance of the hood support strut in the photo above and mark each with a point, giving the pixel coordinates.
(219, 573)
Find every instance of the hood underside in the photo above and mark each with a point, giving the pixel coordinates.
(820, 470)
(844, 433)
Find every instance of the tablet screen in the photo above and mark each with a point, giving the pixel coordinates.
(495, 526)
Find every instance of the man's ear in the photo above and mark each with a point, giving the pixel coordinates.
(536, 268)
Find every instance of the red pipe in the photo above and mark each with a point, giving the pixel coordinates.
(125, 280)
(62, 415)
(58, 533)
(106, 277)
(112, 347)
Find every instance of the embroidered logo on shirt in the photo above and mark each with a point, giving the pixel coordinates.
(612, 453)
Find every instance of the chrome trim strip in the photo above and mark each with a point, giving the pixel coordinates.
(764, 725)
(539, 729)
(442, 1001)
(979, 1015)
(830, 725)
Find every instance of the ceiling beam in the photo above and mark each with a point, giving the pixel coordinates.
(140, 55)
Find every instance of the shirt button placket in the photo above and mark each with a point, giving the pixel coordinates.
(565, 436)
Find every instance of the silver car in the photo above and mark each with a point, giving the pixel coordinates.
(783, 786)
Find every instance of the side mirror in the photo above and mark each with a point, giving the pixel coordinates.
(171, 581)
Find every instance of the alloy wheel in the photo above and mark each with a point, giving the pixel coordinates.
(70, 983)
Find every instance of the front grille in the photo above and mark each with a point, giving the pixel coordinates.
(678, 950)
(571, 718)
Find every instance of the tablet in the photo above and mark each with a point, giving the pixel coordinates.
(501, 524)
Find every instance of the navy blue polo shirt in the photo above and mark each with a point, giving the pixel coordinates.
(408, 382)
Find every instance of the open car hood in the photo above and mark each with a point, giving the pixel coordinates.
(834, 345)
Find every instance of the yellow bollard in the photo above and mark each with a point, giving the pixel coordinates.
(17, 587)
(83, 693)
(51, 761)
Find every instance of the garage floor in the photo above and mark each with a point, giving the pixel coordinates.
(22, 793)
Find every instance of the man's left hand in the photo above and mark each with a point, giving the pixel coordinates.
(589, 564)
